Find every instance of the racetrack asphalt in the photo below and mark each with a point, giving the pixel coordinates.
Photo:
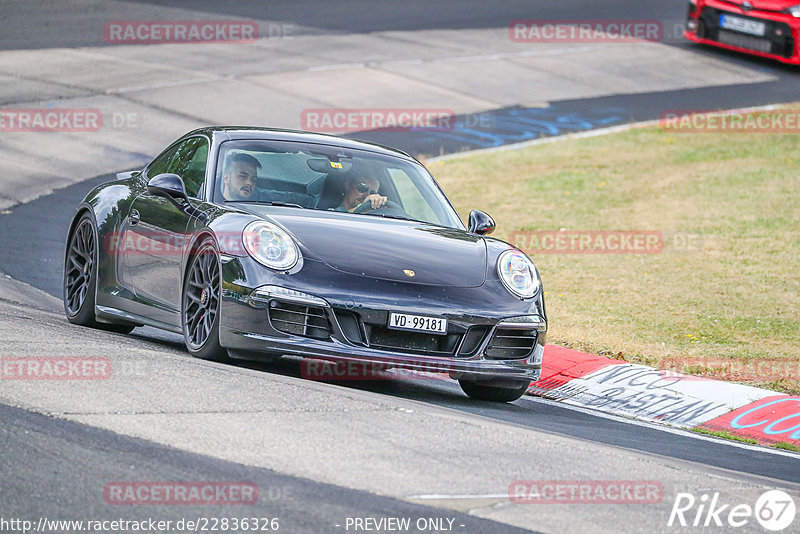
(60, 469)
(345, 449)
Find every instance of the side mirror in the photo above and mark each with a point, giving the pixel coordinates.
(480, 223)
(167, 185)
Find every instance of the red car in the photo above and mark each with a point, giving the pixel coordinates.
(766, 28)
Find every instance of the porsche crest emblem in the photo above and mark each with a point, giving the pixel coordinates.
(409, 273)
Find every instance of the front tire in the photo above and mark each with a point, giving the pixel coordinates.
(80, 278)
(476, 390)
(200, 304)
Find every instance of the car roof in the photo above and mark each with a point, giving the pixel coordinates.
(278, 134)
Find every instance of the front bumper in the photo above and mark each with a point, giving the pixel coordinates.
(490, 335)
(779, 42)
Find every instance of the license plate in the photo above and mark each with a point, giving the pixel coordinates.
(753, 27)
(417, 323)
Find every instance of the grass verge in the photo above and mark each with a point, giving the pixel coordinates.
(725, 435)
(722, 299)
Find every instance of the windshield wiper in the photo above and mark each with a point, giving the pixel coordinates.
(269, 203)
(386, 216)
(283, 204)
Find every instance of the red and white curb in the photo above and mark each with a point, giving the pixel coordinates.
(649, 394)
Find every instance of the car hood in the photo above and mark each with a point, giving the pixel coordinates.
(390, 249)
(769, 5)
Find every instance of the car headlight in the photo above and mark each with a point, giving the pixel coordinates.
(270, 245)
(794, 11)
(518, 273)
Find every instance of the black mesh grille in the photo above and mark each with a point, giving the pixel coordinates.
(299, 320)
(419, 343)
(744, 41)
(511, 344)
(472, 340)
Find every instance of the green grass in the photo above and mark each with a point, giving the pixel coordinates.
(725, 435)
(785, 445)
(733, 296)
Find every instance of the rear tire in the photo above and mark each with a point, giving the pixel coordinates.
(200, 304)
(476, 390)
(80, 278)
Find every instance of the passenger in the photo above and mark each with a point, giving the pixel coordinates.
(239, 180)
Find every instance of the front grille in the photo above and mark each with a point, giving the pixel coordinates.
(777, 38)
(383, 338)
(511, 344)
(745, 41)
(299, 319)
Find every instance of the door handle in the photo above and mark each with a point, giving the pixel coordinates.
(134, 217)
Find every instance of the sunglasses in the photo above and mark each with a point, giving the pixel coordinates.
(364, 188)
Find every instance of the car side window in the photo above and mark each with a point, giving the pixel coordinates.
(161, 163)
(189, 162)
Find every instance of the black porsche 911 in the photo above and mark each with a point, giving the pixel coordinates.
(257, 243)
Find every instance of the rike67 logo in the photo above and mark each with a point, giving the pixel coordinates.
(774, 510)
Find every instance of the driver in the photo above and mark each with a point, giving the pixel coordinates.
(358, 191)
(239, 180)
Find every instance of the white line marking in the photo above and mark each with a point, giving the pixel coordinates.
(338, 66)
(455, 59)
(166, 84)
(512, 55)
(451, 497)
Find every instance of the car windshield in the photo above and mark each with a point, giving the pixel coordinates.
(326, 177)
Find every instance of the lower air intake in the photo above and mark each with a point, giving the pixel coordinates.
(511, 344)
(299, 320)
